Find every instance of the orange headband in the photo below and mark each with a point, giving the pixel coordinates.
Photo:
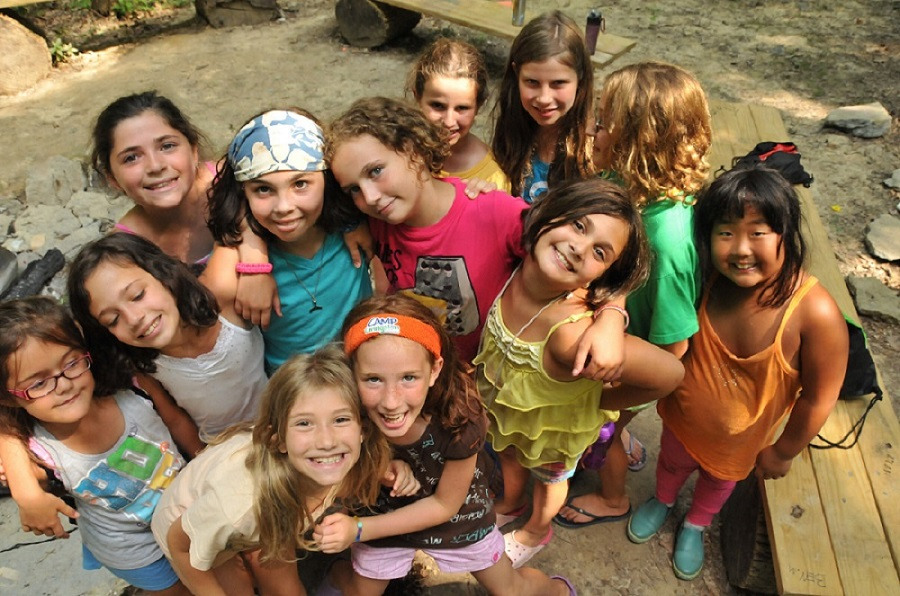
(390, 324)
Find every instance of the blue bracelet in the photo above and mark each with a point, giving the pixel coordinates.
(358, 528)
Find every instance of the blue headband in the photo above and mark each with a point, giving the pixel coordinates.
(274, 142)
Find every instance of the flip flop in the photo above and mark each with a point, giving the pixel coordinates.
(559, 520)
(569, 585)
(635, 466)
(520, 553)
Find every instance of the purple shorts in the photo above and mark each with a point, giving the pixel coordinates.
(393, 562)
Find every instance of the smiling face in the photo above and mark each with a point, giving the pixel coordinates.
(37, 360)
(136, 308)
(151, 162)
(547, 90)
(383, 184)
(747, 251)
(287, 203)
(574, 254)
(323, 436)
(450, 102)
(393, 375)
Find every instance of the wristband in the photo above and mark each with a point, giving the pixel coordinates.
(618, 309)
(253, 268)
(358, 528)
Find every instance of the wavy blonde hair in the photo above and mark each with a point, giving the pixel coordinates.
(451, 58)
(659, 130)
(280, 508)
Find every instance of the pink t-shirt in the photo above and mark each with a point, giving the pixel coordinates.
(458, 265)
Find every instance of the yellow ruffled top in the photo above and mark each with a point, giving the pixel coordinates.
(546, 420)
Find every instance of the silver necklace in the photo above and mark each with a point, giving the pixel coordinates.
(561, 297)
(312, 295)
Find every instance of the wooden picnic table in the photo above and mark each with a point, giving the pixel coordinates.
(833, 522)
(369, 23)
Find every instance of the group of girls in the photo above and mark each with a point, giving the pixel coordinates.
(383, 446)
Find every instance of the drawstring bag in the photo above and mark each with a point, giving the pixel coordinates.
(782, 156)
(860, 380)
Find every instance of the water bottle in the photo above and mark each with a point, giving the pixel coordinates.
(595, 24)
(518, 18)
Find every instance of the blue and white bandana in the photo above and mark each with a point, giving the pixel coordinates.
(274, 142)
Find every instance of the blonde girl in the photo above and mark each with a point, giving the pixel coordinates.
(772, 345)
(585, 243)
(423, 399)
(449, 83)
(652, 134)
(258, 491)
(105, 444)
(546, 95)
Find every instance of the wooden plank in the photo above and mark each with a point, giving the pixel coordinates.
(12, 3)
(495, 18)
(879, 444)
(854, 524)
(798, 533)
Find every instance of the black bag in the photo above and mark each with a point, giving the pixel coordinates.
(782, 157)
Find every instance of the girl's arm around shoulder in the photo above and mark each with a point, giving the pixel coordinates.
(222, 280)
(38, 510)
(337, 531)
(824, 347)
(181, 426)
(648, 373)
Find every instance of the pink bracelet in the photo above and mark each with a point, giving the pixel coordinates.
(253, 268)
(618, 309)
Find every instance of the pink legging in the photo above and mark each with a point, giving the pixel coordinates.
(672, 470)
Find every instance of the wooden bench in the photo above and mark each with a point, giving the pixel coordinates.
(368, 24)
(833, 523)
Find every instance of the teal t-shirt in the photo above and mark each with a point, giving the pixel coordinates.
(337, 285)
(664, 310)
(536, 183)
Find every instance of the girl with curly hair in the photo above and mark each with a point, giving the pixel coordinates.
(652, 134)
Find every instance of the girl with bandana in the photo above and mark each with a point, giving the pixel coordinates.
(275, 178)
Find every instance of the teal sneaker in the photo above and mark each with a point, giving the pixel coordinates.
(688, 557)
(647, 520)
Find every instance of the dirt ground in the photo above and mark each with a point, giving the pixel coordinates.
(802, 57)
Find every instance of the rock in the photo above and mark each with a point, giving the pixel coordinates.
(5, 222)
(9, 269)
(883, 238)
(894, 180)
(72, 243)
(233, 13)
(54, 182)
(24, 57)
(85, 203)
(867, 121)
(874, 299)
(14, 244)
(42, 226)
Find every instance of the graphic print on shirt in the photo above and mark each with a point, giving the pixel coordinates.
(444, 286)
(132, 478)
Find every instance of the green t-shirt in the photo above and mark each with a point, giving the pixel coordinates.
(664, 310)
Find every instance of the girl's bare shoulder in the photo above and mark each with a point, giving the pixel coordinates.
(818, 310)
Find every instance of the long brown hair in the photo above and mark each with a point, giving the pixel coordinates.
(550, 35)
(453, 400)
(280, 508)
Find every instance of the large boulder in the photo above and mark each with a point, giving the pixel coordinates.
(24, 57)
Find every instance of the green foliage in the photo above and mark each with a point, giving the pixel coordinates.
(79, 4)
(61, 51)
(128, 8)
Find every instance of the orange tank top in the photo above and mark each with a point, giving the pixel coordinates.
(727, 408)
